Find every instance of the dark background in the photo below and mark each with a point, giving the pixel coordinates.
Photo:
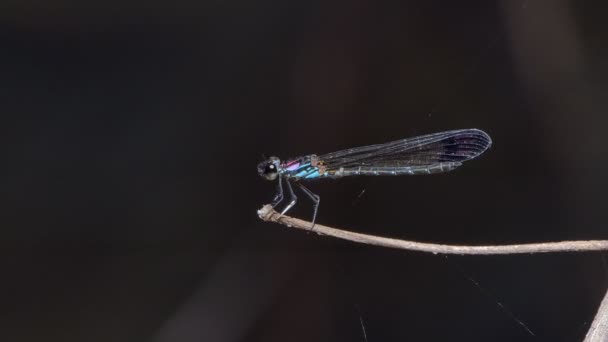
(130, 138)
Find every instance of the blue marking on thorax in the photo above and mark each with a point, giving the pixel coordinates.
(304, 170)
(293, 172)
(314, 174)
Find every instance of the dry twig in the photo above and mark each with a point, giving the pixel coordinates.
(599, 327)
(266, 213)
(598, 332)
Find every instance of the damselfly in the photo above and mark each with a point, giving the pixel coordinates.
(426, 154)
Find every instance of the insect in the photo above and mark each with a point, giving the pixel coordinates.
(421, 155)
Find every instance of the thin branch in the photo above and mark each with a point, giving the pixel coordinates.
(599, 327)
(268, 214)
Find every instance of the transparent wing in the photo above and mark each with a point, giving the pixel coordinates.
(452, 146)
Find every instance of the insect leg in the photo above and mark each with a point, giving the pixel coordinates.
(315, 199)
(279, 196)
(294, 198)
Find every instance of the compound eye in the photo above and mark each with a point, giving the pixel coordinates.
(270, 168)
(270, 171)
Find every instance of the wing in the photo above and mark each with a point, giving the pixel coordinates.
(452, 146)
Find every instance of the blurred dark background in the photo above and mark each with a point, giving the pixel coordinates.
(130, 138)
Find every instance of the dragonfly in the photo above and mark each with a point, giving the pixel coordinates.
(421, 155)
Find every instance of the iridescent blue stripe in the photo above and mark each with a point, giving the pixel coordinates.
(306, 168)
(314, 174)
